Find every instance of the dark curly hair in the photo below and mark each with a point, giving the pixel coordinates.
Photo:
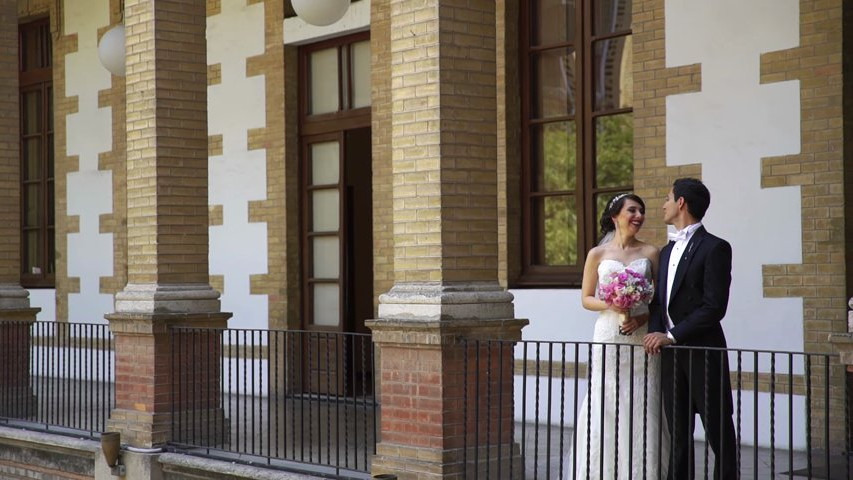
(614, 206)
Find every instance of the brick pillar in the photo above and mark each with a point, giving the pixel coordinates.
(167, 224)
(16, 316)
(446, 293)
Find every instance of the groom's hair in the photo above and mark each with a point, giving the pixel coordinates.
(695, 194)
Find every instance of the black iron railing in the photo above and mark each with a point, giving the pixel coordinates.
(56, 376)
(286, 399)
(789, 411)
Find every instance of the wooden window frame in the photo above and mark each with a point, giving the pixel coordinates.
(38, 79)
(318, 128)
(535, 275)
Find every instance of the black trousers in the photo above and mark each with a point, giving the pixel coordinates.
(697, 382)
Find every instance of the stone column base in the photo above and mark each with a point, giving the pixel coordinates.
(155, 364)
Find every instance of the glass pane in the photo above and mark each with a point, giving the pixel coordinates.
(554, 83)
(29, 49)
(50, 156)
(554, 147)
(325, 163)
(614, 150)
(326, 254)
(325, 210)
(556, 223)
(324, 81)
(50, 204)
(51, 252)
(361, 74)
(32, 157)
(613, 74)
(32, 107)
(326, 304)
(50, 108)
(611, 16)
(345, 101)
(554, 21)
(32, 206)
(32, 254)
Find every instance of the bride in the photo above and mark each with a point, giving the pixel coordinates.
(642, 433)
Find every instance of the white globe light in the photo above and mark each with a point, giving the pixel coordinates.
(111, 50)
(320, 12)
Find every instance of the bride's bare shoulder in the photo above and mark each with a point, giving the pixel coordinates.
(650, 250)
(596, 253)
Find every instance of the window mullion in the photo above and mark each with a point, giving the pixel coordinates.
(586, 176)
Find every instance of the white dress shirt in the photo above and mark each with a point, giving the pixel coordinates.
(682, 239)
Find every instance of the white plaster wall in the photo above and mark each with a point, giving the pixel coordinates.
(238, 248)
(45, 299)
(357, 19)
(89, 190)
(554, 314)
(728, 127)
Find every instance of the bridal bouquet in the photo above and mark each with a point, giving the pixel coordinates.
(625, 289)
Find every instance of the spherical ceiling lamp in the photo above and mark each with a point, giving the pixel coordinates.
(111, 50)
(320, 12)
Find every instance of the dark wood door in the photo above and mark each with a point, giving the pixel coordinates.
(338, 266)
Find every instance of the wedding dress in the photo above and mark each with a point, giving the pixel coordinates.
(642, 434)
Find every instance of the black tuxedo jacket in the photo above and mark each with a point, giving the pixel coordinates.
(700, 291)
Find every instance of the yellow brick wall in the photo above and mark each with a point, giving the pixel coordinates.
(114, 160)
(819, 168)
(167, 142)
(63, 163)
(383, 211)
(508, 141)
(279, 210)
(444, 141)
(10, 187)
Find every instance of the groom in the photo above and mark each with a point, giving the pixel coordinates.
(692, 296)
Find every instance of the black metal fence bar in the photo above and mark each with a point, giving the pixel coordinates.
(288, 399)
(595, 410)
(56, 376)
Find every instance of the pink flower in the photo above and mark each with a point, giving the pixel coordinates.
(625, 289)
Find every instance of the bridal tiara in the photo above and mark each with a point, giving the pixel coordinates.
(616, 199)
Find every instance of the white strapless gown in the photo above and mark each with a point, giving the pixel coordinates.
(642, 434)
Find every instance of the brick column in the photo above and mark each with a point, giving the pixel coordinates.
(167, 224)
(446, 293)
(16, 316)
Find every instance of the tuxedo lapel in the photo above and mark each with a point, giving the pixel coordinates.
(663, 271)
(686, 258)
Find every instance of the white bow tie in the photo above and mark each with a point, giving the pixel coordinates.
(678, 236)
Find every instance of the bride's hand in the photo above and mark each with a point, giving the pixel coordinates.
(634, 323)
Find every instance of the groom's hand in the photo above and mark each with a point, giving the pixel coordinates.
(654, 341)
